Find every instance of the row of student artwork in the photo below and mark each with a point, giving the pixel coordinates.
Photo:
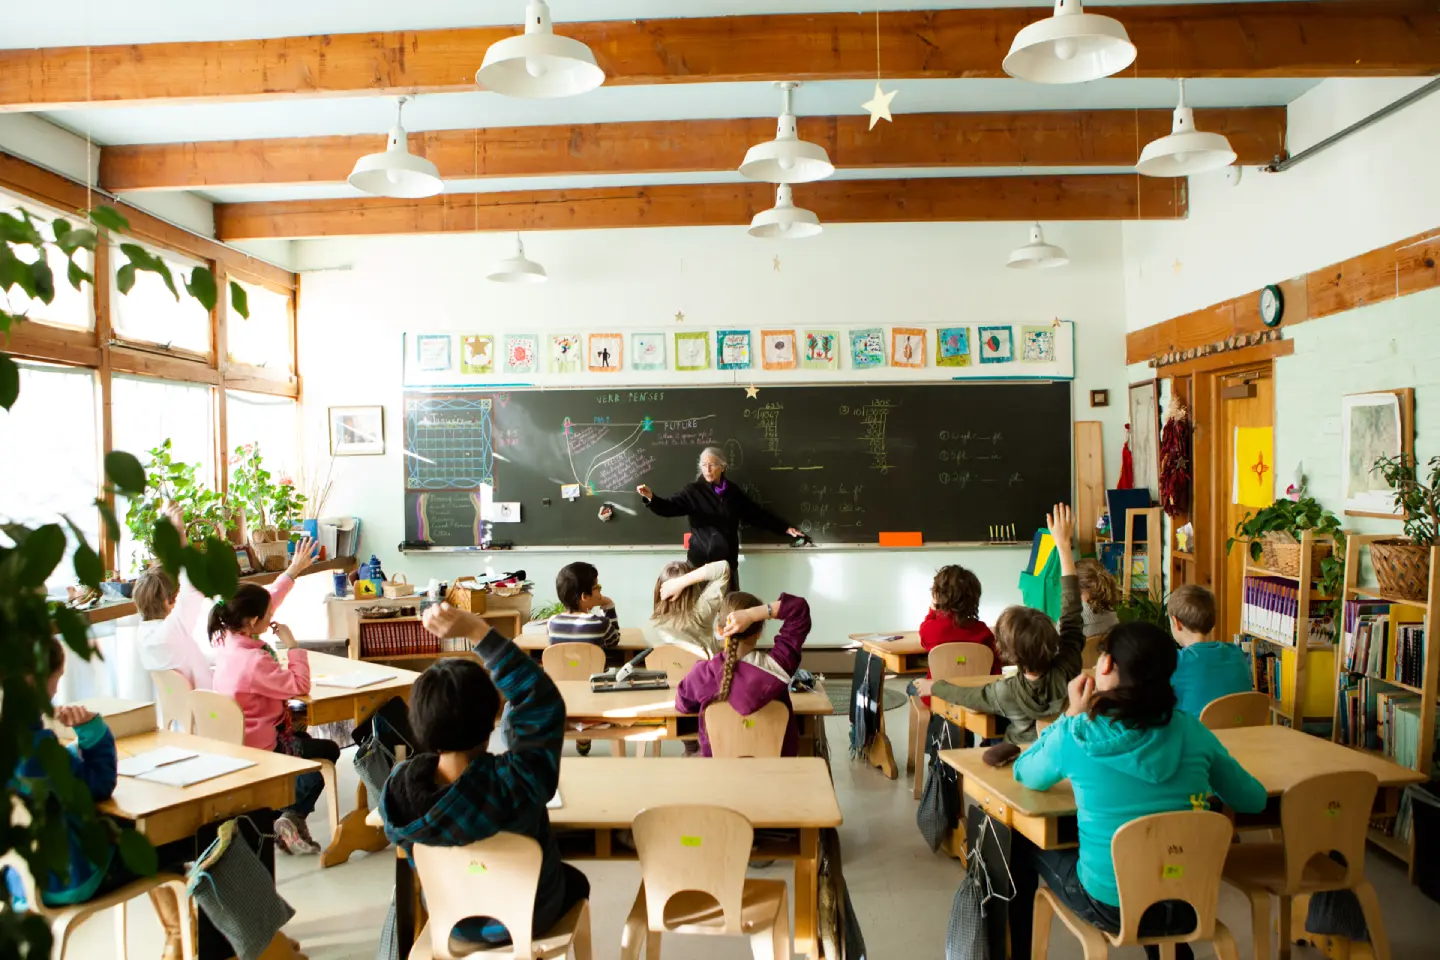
(482, 354)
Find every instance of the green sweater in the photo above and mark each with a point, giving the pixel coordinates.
(1023, 701)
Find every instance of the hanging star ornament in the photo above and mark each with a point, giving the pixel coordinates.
(777, 263)
(679, 317)
(879, 105)
(752, 392)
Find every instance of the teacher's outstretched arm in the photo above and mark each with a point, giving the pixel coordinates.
(676, 506)
(757, 516)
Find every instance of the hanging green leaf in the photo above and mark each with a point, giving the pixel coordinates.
(78, 275)
(138, 855)
(165, 541)
(14, 272)
(125, 472)
(76, 240)
(107, 514)
(59, 227)
(44, 280)
(74, 629)
(201, 286)
(239, 300)
(20, 230)
(9, 381)
(40, 554)
(110, 219)
(222, 570)
(89, 569)
(125, 278)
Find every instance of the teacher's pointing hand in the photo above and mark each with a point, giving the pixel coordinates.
(644, 491)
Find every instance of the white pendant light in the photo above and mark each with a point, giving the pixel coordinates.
(396, 172)
(517, 269)
(787, 158)
(1186, 150)
(538, 65)
(785, 221)
(1070, 47)
(1037, 254)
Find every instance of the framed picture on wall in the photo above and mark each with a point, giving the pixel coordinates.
(1145, 434)
(357, 431)
(1373, 425)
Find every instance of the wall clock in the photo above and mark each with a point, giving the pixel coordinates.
(1272, 306)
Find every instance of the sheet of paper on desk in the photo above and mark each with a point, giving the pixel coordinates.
(554, 803)
(881, 637)
(352, 681)
(199, 768)
(152, 759)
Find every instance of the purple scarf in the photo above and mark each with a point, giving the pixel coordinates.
(720, 487)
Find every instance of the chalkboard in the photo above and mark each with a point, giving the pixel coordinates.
(844, 463)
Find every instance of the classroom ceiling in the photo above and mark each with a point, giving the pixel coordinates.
(204, 98)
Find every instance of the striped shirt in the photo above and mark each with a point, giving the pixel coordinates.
(599, 627)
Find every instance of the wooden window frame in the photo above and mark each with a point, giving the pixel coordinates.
(99, 350)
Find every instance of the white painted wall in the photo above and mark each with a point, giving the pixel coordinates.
(359, 296)
(1375, 188)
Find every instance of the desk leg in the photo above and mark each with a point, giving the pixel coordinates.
(354, 833)
(879, 754)
(407, 899)
(807, 895)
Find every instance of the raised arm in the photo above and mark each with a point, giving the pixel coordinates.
(677, 505)
(1071, 654)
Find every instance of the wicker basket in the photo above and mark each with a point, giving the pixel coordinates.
(1281, 554)
(466, 595)
(272, 551)
(1402, 568)
(398, 586)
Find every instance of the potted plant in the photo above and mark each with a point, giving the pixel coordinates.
(1274, 532)
(272, 507)
(1402, 567)
(168, 480)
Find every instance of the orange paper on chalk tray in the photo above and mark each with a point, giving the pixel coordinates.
(901, 538)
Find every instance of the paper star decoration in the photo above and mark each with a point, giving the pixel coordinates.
(777, 263)
(679, 317)
(879, 105)
(752, 392)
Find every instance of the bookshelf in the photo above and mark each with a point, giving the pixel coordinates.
(1154, 574)
(1385, 682)
(403, 638)
(1305, 662)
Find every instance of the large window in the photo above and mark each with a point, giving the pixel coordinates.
(146, 413)
(263, 340)
(53, 444)
(70, 307)
(268, 421)
(150, 313)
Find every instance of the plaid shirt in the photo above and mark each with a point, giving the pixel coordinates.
(497, 793)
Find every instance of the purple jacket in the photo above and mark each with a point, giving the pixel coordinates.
(752, 687)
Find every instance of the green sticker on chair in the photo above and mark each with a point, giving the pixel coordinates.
(1172, 871)
(214, 715)
(960, 659)
(689, 841)
(573, 663)
(476, 867)
(747, 722)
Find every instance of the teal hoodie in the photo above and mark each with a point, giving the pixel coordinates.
(1207, 671)
(1121, 773)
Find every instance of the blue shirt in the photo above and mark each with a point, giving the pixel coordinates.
(1207, 671)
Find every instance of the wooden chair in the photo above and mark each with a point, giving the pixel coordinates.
(1091, 654)
(946, 662)
(675, 660)
(1318, 816)
(219, 717)
(1248, 709)
(762, 734)
(172, 696)
(1165, 856)
(64, 920)
(502, 873)
(692, 882)
(579, 661)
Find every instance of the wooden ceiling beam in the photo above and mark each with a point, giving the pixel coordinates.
(1102, 138)
(1093, 197)
(1305, 38)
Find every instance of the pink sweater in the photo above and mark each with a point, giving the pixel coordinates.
(246, 670)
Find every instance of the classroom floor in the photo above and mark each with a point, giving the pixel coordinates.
(901, 891)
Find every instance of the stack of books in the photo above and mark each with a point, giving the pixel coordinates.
(1382, 641)
(1377, 717)
(1270, 610)
(396, 638)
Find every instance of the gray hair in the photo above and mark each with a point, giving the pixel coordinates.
(715, 452)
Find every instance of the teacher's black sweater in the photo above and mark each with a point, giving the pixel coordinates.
(715, 521)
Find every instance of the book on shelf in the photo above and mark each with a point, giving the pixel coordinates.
(1270, 610)
(1379, 717)
(1384, 641)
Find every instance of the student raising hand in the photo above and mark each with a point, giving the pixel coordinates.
(176, 516)
(448, 623)
(305, 553)
(1061, 521)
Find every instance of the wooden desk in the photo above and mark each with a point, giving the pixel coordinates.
(1276, 756)
(901, 656)
(165, 814)
(331, 704)
(646, 715)
(983, 725)
(535, 641)
(782, 794)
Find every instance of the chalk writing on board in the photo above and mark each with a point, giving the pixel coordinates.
(874, 430)
(582, 436)
(767, 420)
(619, 473)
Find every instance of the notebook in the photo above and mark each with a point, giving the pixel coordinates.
(199, 768)
(152, 759)
(351, 681)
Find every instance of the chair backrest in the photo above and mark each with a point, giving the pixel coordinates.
(573, 661)
(951, 660)
(1042, 722)
(700, 848)
(1170, 856)
(675, 660)
(172, 696)
(1327, 813)
(1091, 654)
(762, 734)
(496, 877)
(1250, 709)
(217, 716)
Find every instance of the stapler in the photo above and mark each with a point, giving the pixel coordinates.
(630, 677)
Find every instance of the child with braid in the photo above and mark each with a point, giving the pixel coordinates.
(742, 676)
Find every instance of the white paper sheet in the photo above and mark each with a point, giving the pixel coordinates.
(881, 637)
(152, 759)
(201, 767)
(351, 681)
(555, 802)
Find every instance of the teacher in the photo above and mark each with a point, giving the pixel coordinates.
(715, 508)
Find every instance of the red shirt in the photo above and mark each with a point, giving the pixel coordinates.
(941, 628)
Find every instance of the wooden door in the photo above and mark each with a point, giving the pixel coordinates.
(1243, 399)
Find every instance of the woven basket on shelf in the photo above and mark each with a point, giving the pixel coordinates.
(272, 552)
(1402, 568)
(1281, 553)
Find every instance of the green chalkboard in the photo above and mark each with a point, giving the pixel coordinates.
(950, 460)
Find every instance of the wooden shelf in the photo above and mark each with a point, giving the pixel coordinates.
(419, 656)
(1183, 555)
(124, 608)
(1377, 595)
(1396, 848)
(1392, 683)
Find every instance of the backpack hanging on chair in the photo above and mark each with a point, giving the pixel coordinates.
(237, 891)
(937, 814)
(375, 759)
(966, 937)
